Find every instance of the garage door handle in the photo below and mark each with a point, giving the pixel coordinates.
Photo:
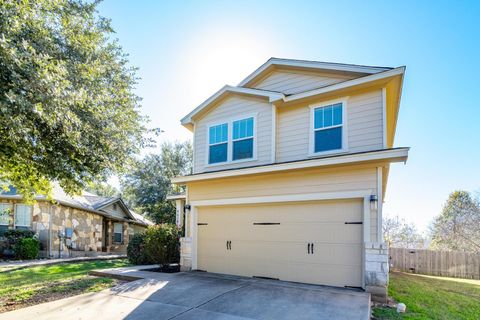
(229, 245)
(311, 248)
(308, 248)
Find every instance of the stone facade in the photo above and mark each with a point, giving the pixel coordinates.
(87, 227)
(185, 254)
(376, 270)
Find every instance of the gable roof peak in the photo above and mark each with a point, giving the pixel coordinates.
(312, 65)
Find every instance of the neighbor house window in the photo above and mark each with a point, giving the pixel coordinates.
(218, 143)
(328, 128)
(118, 232)
(5, 209)
(23, 216)
(242, 139)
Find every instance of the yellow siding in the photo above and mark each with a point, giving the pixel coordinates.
(294, 81)
(364, 127)
(233, 108)
(338, 179)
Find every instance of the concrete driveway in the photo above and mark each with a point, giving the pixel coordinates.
(192, 295)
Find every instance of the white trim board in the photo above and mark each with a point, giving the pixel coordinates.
(389, 155)
(284, 198)
(272, 96)
(346, 84)
(316, 65)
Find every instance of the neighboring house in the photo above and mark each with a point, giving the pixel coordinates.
(72, 225)
(290, 172)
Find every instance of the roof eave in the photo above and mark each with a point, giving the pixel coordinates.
(385, 155)
(347, 84)
(272, 97)
(329, 66)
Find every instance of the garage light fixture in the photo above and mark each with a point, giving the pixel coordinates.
(373, 202)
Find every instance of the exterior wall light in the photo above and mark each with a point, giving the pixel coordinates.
(187, 207)
(373, 202)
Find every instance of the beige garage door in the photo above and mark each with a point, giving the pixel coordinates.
(316, 242)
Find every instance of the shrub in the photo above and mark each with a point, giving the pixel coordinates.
(26, 248)
(162, 243)
(136, 250)
(13, 236)
(159, 244)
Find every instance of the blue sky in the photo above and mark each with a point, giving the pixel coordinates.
(187, 50)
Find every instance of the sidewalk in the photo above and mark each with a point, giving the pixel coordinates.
(16, 265)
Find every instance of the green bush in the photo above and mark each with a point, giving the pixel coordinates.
(15, 235)
(26, 248)
(136, 250)
(159, 244)
(162, 243)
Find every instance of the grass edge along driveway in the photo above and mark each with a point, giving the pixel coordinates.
(38, 284)
(430, 297)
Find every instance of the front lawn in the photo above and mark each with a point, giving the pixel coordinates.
(428, 297)
(40, 284)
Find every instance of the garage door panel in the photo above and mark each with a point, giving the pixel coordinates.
(280, 250)
(286, 252)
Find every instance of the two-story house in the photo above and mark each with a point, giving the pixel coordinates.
(290, 172)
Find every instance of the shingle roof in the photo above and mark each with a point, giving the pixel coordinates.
(87, 200)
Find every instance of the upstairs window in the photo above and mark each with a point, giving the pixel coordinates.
(23, 216)
(328, 128)
(242, 139)
(218, 143)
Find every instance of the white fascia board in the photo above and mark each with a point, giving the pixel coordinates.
(347, 84)
(176, 197)
(389, 155)
(312, 65)
(272, 97)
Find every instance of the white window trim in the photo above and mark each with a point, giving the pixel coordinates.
(121, 233)
(311, 140)
(15, 225)
(8, 218)
(230, 141)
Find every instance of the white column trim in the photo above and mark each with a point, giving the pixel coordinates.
(194, 236)
(366, 219)
(379, 204)
(384, 116)
(274, 134)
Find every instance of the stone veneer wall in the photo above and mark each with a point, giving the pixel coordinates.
(87, 230)
(87, 235)
(185, 254)
(376, 270)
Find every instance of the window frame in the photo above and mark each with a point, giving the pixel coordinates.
(8, 218)
(7, 224)
(312, 130)
(209, 126)
(15, 225)
(121, 233)
(230, 140)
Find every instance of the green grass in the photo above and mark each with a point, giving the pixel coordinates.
(428, 297)
(45, 283)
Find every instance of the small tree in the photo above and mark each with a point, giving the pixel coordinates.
(457, 227)
(398, 233)
(146, 187)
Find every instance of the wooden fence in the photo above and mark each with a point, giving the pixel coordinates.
(455, 264)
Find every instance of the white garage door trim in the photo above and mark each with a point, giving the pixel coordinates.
(360, 194)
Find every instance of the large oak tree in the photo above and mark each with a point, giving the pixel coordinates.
(68, 111)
